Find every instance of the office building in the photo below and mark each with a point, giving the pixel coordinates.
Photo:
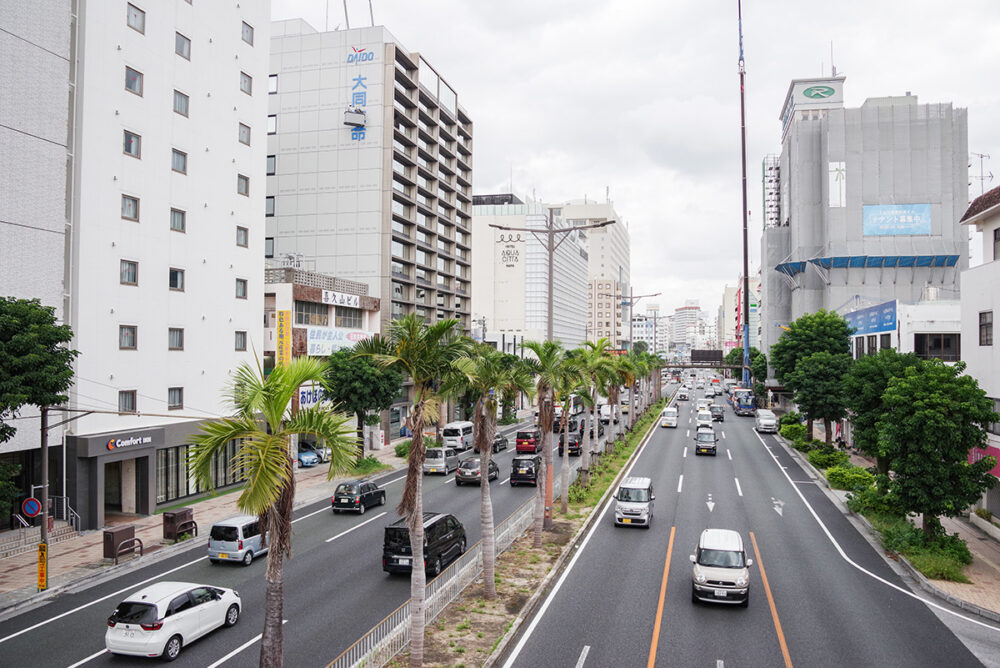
(754, 321)
(862, 203)
(369, 169)
(727, 319)
(151, 193)
(652, 329)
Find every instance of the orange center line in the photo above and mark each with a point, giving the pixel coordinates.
(659, 605)
(770, 602)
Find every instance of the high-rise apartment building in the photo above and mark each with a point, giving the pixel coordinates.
(150, 186)
(754, 320)
(863, 203)
(727, 319)
(652, 329)
(686, 327)
(369, 168)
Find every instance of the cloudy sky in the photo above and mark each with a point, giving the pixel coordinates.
(570, 97)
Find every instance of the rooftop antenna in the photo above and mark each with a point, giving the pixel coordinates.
(983, 176)
(346, 17)
(607, 194)
(833, 68)
(371, 12)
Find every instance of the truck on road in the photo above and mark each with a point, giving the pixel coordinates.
(743, 401)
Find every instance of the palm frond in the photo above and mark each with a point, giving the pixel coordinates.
(332, 428)
(268, 467)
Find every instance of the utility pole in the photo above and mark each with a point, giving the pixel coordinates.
(743, 148)
(43, 546)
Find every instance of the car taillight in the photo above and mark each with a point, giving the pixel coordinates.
(155, 626)
(357, 499)
(239, 545)
(111, 622)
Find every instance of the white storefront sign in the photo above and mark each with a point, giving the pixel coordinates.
(324, 340)
(341, 299)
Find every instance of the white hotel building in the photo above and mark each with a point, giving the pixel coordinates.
(151, 184)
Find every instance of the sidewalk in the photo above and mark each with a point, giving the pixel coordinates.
(80, 560)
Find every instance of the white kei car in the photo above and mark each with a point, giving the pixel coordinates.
(164, 617)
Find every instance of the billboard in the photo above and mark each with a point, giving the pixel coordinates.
(879, 220)
(322, 341)
(874, 319)
(706, 356)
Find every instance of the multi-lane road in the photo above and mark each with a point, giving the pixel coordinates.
(821, 595)
(335, 589)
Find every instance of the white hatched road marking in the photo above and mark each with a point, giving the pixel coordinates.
(583, 656)
(356, 526)
(680, 483)
(738, 486)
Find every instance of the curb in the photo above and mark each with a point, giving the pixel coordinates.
(528, 611)
(874, 538)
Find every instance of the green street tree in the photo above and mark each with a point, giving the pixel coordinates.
(758, 362)
(36, 367)
(426, 353)
(357, 385)
(598, 371)
(819, 387)
(640, 347)
(547, 367)
(936, 416)
(263, 426)
(864, 386)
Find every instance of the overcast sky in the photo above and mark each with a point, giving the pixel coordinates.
(642, 97)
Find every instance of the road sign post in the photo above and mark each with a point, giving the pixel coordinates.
(43, 566)
(31, 507)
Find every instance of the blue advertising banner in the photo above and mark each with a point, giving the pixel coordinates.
(874, 319)
(896, 219)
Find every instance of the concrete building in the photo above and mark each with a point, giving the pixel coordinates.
(980, 301)
(510, 276)
(727, 319)
(151, 193)
(684, 334)
(652, 329)
(369, 169)
(755, 328)
(862, 202)
(929, 328)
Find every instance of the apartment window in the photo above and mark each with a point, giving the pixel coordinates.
(269, 206)
(246, 83)
(176, 279)
(182, 46)
(886, 342)
(136, 18)
(178, 220)
(243, 184)
(129, 272)
(994, 427)
(272, 165)
(348, 317)
(130, 207)
(247, 33)
(179, 161)
(996, 244)
(241, 340)
(126, 399)
(945, 347)
(269, 247)
(986, 328)
(244, 134)
(175, 398)
(311, 313)
(272, 124)
(133, 81)
(242, 236)
(127, 337)
(175, 338)
(181, 103)
(272, 84)
(132, 144)
(241, 288)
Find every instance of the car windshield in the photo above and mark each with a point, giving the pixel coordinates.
(705, 437)
(524, 464)
(128, 612)
(347, 488)
(397, 536)
(434, 453)
(228, 534)
(452, 432)
(721, 558)
(633, 495)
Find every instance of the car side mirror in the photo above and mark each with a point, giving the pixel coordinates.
(652, 497)
(749, 563)
(692, 559)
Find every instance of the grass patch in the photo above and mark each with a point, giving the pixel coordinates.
(369, 465)
(944, 557)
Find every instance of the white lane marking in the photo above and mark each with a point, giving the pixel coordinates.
(680, 483)
(723, 434)
(240, 648)
(738, 486)
(451, 479)
(843, 555)
(389, 482)
(719, 663)
(89, 658)
(729, 454)
(356, 526)
(569, 568)
(685, 451)
(504, 480)
(583, 656)
(688, 434)
(315, 512)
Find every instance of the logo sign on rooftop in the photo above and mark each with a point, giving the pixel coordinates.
(360, 55)
(818, 92)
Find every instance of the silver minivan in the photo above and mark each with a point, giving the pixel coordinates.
(721, 571)
(634, 502)
(766, 421)
(457, 435)
(236, 539)
(440, 460)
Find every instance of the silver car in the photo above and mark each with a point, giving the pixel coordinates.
(721, 571)
(236, 539)
(634, 502)
(440, 460)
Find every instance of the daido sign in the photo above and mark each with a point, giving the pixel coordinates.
(360, 55)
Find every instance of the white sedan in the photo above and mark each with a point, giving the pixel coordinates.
(162, 618)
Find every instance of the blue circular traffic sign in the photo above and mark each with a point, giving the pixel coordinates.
(31, 506)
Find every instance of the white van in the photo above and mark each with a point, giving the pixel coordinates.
(669, 417)
(703, 419)
(634, 502)
(457, 435)
(682, 394)
(766, 421)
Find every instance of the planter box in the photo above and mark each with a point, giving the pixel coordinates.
(992, 529)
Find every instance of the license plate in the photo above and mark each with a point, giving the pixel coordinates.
(127, 633)
(720, 593)
(434, 470)
(404, 562)
(223, 555)
(522, 470)
(343, 500)
(626, 520)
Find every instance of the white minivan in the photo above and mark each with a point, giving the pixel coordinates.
(669, 417)
(766, 421)
(457, 435)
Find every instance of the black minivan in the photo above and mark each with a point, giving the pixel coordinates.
(444, 541)
(524, 469)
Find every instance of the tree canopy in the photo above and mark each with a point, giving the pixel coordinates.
(758, 362)
(818, 380)
(358, 385)
(822, 331)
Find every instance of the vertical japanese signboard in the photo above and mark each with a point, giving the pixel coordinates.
(283, 350)
(43, 566)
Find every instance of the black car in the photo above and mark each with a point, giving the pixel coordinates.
(600, 430)
(524, 470)
(444, 541)
(468, 472)
(357, 496)
(718, 412)
(575, 446)
(500, 442)
(573, 425)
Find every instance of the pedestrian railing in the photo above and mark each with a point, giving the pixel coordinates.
(391, 636)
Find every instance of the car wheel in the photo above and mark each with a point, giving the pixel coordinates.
(461, 548)
(232, 615)
(435, 568)
(213, 561)
(361, 509)
(248, 558)
(172, 649)
(381, 500)
(458, 483)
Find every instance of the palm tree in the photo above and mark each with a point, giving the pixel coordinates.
(426, 353)
(615, 380)
(596, 368)
(263, 424)
(547, 367)
(641, 371)
(569, 382)
(627, 372)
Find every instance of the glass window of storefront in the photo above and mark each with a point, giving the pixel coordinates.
(174, 482)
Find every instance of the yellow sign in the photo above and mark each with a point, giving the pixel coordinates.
(283, 351)
(43, 566)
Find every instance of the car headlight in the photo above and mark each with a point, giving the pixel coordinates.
(699, 578)
(741, 581)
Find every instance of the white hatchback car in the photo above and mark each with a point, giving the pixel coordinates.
(162, 618)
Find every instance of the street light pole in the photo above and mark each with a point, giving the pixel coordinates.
(743, 147)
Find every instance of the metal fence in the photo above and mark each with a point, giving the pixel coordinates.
(391, 636)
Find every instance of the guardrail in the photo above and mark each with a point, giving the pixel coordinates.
(391, 636)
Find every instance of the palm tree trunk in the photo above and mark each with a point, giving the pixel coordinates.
(585, 443)
(279, 535)
(545, 417)
(412, 507)
(548, 468)
(486, 430)
(564, 476)
(360, 417)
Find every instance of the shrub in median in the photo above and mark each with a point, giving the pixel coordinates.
(848, 477)
(791, 418)
(793, 432)
(403, 449)
(824, 459)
